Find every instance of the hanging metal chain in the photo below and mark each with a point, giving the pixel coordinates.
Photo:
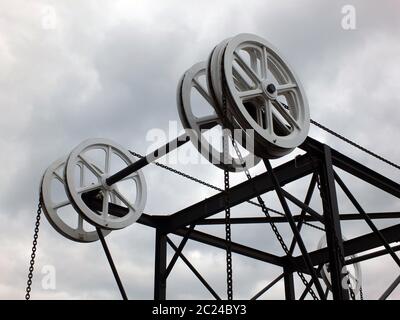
(33, 254)
(229, 276)
(354, 144)
(272, 224)
(350, 142)
(352, 294)
(351, 290)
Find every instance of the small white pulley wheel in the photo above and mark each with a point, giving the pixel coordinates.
(269, 88)
(53, 202)
(353, 271)
(111, 158)
(197, 126)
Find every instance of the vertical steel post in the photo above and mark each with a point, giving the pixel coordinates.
(160, 281)
(332, 226)
(289, 284)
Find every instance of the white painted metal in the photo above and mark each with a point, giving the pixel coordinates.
(353, 271)
(214, 82)
(136, 183)
(251, 74)
(198, 125)
(52, 207)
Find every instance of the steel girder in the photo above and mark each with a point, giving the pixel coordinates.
(318, 158)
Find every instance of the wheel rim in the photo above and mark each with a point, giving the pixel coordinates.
(199, 125)
(112, 153)
(51, 207)
(213, 76)
(270, 84)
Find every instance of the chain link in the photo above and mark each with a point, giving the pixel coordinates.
(229, 273)
(33, 254)
(272, 224)
(352, 294)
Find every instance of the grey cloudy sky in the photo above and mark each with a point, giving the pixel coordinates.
(110, 69)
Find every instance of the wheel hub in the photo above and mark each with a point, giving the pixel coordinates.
(269, 89)
(103, 181)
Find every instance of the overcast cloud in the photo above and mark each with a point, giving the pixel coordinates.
(110, 69)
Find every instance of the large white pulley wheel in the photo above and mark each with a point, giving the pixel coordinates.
(264, 93)
(353, 271)
(54, 200)
(198, 125)
(131, 191)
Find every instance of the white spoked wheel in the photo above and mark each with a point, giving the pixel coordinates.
(54, 200)
(353, 271)
(198, 125)
(110, 157)
(264, 94)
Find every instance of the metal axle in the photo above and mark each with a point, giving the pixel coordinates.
(156, 154)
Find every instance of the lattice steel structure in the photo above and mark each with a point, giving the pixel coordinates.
(320, 160)
(251, 89)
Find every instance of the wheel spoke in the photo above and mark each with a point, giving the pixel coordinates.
(286, 87)
(89, 188)
(286, 115)
(242, 83)
(123, 199)
(58, 177)
(245, 95)
(268, 116)
(108, 159)
(207, 122)
(203, 92)
(81, 176)
(91, 167)
(253, 76)
(105, 203)
(260, 117)
(278, 123)
(253, 60)
(61, 204)
(264, 63)
(80, 223)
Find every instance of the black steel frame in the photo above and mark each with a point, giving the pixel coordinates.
(319, 160)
